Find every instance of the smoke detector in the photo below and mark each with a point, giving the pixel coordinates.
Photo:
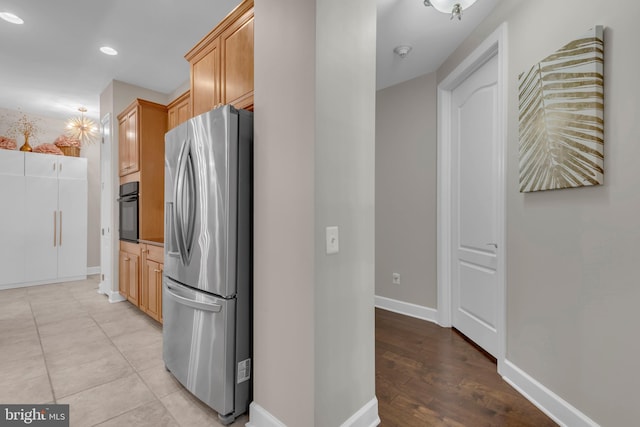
(402, 51)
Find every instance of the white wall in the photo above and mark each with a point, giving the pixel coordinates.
(314, 148)
(572, 263)
(406, 191)
(344, 196)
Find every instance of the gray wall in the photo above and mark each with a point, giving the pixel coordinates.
(405, 181)
(283, 336)
(92, 153)
(572, 265)
(314, 147)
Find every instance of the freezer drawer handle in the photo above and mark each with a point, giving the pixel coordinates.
(216, 308)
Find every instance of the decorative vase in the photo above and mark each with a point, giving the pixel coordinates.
(26, 146)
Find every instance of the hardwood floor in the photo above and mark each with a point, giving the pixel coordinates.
(430, 376)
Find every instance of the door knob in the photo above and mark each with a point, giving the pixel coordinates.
(495, 245)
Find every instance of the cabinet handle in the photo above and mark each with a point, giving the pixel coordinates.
(60, 243)
(54, 166)
(55, 223)
(155, 270)
(127, 259)
(60, 169)
(144, 251)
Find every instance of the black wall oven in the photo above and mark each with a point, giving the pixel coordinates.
(128, 202)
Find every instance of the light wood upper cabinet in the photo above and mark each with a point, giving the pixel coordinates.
(205, 79)
(236, 48)
(128, 143)
(222, 63)
(179, 110)
(142, 126)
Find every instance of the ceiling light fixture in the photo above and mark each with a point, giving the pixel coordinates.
(402, 51)
(10, 17)
(454, 7)
(81, 128)
(108, 50)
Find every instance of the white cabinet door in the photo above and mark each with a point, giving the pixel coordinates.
(72, 167)
(43, 165)
(41, 231)
(72, 231)
(12, 194)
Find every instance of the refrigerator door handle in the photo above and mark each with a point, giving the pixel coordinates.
(185, 203)
(216, 308)
(170, 241)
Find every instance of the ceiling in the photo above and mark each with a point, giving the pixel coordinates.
(431, 34)
(51, 65)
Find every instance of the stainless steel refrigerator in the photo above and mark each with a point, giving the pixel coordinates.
(207, 280)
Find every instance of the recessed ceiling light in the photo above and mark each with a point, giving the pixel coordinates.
(108, 50)
(10, 17)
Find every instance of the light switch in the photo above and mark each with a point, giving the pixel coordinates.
(333, 246)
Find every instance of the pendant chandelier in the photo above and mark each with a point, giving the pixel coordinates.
(454, 7)
(81, 128)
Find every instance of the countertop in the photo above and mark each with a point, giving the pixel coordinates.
(154, 241)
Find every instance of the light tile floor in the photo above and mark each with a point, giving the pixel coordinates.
(65, 343)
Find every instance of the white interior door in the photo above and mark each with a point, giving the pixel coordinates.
(106, 200)
(475, 187)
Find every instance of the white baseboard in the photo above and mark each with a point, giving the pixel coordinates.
(260, 417)
(367, 416)
(547, 401)
(42, 282)
(114, 296)
(93, 270)
(407, 308)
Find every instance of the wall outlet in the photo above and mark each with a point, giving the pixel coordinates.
(396, 278)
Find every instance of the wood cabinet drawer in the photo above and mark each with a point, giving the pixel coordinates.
(155, 253)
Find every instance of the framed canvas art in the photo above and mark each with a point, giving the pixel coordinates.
(561, 117)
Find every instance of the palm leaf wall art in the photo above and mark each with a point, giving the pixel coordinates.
(562, 117)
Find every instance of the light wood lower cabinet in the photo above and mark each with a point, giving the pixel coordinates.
(151, 284)
(141, 276)
(129, 282)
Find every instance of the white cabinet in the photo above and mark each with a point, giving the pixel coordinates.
(12, 195)
(53, 224)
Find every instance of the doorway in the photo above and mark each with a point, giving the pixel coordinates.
(105, 206)
(107, 245)
(471, 196)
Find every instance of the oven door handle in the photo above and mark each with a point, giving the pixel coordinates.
(128, 199)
